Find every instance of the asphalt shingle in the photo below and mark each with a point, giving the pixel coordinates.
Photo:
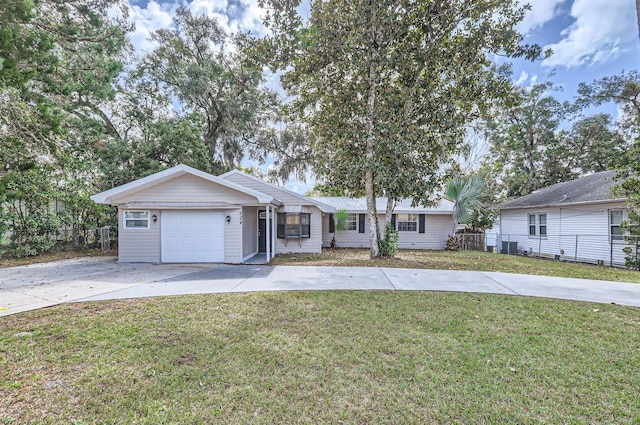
(596, 187)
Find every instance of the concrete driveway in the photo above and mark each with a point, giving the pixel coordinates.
(87, 279)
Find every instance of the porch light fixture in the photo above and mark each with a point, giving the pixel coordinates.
(228, 219)
(154, 218)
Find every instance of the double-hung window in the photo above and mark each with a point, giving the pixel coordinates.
(615, 222)
(294, 225)
(538, 225)
(352, 222)
(407, 222)
(136, 219)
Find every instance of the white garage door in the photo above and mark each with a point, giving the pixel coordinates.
(192, 236)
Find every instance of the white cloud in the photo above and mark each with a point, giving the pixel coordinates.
(238, 16)
(207, 7)
(526, 80)
(252, 17)
(217, 10)
(542, 11)
(147, 20)
(524, 76)
(600, 30)
(242, 16)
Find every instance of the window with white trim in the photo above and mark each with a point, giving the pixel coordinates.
(616, 217)
(352, 222)
(538, 225)
(294, 225)
(136, 219)
(407, 222)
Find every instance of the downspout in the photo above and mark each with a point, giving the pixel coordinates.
(273, 233)
(268, 235)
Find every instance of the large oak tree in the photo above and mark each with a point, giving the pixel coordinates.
(386, 87)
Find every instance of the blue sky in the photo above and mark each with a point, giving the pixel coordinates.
(590, 38)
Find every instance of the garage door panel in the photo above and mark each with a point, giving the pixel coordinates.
(192, 236)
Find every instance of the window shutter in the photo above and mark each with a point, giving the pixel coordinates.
(332, 225)
(421, 223)
(393, 221)
(361, 223)
(282, 219)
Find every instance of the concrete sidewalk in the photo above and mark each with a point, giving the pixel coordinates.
(89, 279)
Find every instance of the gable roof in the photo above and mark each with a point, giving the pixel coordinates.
(276, 191)
(172, 173)
(592, 189)
(359, 205)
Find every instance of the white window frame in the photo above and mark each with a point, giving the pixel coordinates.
(146, 216)
(405, 222)
(616, 238)
(351, 224)
(537, 225)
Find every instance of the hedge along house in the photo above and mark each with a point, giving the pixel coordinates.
(418, 227)
(183, 215)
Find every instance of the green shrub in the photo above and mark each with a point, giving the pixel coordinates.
(388, 245)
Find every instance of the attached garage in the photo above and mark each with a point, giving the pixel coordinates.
(183, 215)
(192, 237)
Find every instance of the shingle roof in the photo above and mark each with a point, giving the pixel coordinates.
(594, 188)
(278, 189)
(359, 205)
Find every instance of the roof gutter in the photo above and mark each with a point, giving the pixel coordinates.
(605, 201)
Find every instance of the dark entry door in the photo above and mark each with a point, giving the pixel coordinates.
(262, 231)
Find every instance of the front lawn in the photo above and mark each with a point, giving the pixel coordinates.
(459, 260)
(55, 254)
(322, 357)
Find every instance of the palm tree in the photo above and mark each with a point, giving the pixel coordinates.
(340, 223)
(465, 193)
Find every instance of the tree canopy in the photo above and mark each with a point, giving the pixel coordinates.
(381, 95)
(387, 87)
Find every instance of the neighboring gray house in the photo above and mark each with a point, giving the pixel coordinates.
(577, 220)
(183, 215)
(418, 227)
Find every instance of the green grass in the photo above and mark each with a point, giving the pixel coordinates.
(322, 357)
(460, 260)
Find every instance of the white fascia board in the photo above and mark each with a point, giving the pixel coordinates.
(179, 170)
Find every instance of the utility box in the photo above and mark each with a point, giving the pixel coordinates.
(509, 248)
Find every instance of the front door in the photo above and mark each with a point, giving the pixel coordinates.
(262, 231)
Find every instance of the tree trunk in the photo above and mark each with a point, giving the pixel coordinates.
(372, 212)
(369, 186)
(391, 204)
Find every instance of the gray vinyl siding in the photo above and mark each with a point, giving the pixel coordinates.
(589, 224)
(139, 245)
(233, 237)
(437, 227)
(187, 188)
(249, 231)
(346, 238)
(305, 245)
